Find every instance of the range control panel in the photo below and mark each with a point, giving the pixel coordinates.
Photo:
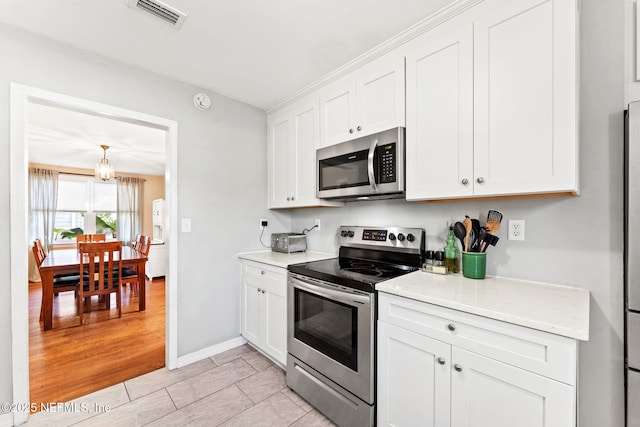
(399, 238)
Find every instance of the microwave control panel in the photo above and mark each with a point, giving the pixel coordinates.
(386, 155)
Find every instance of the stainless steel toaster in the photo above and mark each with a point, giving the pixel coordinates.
(288, 242)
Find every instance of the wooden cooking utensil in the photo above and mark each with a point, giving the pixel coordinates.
(468, 226)
(492, 226)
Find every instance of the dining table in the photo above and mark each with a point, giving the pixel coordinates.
(68, 261)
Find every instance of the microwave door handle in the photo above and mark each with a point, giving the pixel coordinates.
(372, 176)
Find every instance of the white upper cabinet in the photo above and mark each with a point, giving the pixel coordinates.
(293, 140)
(525, 98)
(366, 101)
(492, 105)
(439, 133)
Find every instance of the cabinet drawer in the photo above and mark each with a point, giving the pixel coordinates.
(256, 269)
(546, 354)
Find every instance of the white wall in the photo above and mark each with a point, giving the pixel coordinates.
(221, 178)
(576, 241)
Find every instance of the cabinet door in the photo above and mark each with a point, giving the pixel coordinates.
(525, 98)
(337, 112)
(440, 116)
(380, 90)
(251, 297)
(413, 378)
(488, 393)
(279, 164)
(274, 307)
(302, 182)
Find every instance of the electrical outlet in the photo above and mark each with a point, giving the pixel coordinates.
(516, 229)
(317, 224)
(263, 224)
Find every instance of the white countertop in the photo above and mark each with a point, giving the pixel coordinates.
(560, 310)
(279, 259)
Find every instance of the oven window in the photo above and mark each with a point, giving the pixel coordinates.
(349, 170)
(328, 326)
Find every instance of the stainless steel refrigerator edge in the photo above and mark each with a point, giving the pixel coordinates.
(632, 263)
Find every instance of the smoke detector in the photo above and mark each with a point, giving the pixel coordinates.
(160, 10)
(202, 101)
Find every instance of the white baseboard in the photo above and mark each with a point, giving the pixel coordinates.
(6, 420)
(190, 358)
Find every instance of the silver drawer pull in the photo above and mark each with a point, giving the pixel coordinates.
(457, 367)
(451, 327)
(262, 272)
(441, 360)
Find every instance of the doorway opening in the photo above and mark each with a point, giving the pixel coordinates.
(21, 97)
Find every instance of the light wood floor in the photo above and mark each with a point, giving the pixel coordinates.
(70, 361)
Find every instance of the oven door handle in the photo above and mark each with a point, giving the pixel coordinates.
(372, 175)
(322, 291)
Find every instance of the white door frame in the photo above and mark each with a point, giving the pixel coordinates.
(21, 96)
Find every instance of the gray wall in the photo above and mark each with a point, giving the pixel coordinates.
(221, 176)
(576, 241)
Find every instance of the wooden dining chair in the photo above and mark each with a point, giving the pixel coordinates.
(101, 268)
(83, 238)
(61, 282)
(130, 275)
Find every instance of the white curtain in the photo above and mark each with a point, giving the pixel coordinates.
(43, 199)
(129, 208)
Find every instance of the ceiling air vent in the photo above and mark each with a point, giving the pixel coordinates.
(160, 10)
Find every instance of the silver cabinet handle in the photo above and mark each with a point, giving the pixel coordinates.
(288, 199)
(359, 128)
(292, 198)
(351, 130)
(263, 291)
(451, 327)
(480, 180)
(441, 360)
(259, 290)
(262, 272)
(457, 367)
(464, 181)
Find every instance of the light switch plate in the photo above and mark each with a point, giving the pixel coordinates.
(186, 225)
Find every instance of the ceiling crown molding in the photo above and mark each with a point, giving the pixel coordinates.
(394, 42)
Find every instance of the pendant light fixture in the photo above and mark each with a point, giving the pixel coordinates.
(104, 170)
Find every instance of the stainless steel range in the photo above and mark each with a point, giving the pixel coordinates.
(331, 319)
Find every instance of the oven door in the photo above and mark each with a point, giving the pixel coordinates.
(331, 328)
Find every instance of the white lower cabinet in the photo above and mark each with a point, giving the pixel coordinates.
(440, 367)
(264, 308)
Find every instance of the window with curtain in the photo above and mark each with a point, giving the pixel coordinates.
(43, 194)
(129, 208)
(84, 206)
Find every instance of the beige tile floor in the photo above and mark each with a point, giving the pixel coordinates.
(239, 387)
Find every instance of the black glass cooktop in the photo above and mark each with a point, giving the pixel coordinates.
(353, 273)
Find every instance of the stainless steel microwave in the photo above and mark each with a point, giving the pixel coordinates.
(371, 167)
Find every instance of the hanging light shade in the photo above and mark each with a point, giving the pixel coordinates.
(104, 170)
